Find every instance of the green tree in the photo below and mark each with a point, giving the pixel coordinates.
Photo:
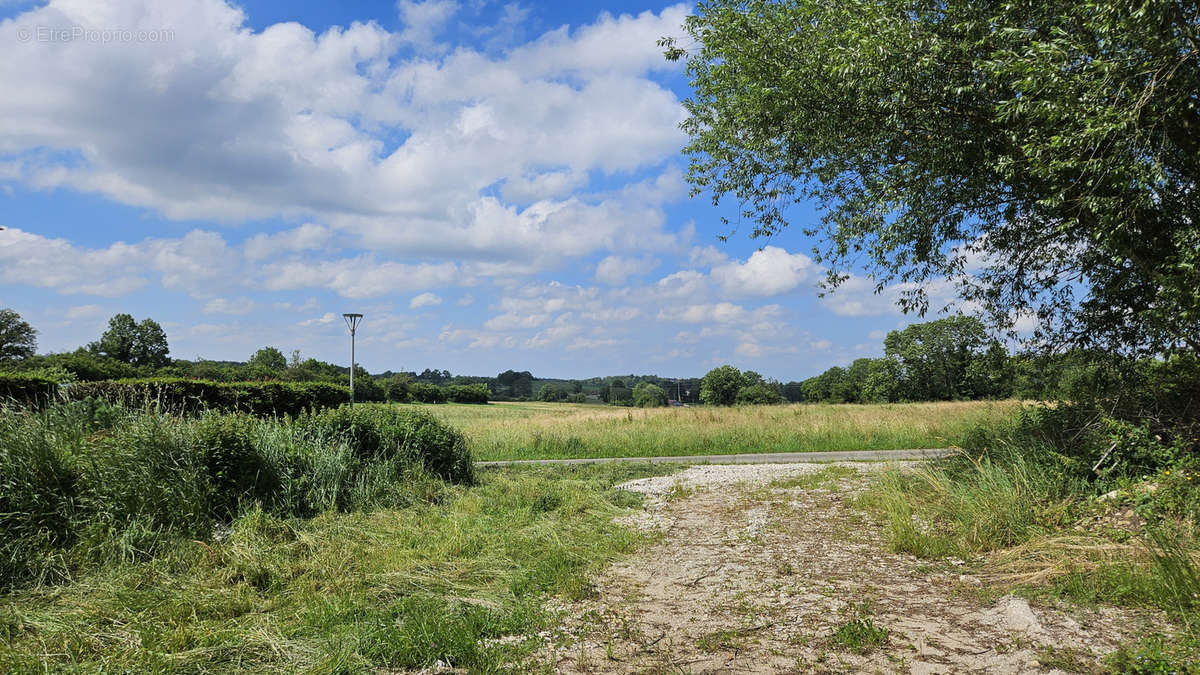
(758, 393)
(150, 345)
(1043, 156)
(720, 385)
(138, 344)
(935, 358)
(547, 393)
(647, 395)
(18, 340)
(269, 358)
(397, 387)
(117, 341)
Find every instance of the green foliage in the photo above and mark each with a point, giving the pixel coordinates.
(386, 433)
(759, 393)
(467, 393)
(1008, 147)
(647, 395)
(190, 396)
(84, 483)
(458, 575)
(18, 340)
(38, 491)
(27, 389)
(1155, 655)
(548, 393)
(421, 392)
(268, 358)
(138, 344)
(860, 635)
(720, 385)
(397, 387)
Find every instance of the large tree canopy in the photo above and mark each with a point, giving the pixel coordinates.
(1041, 155)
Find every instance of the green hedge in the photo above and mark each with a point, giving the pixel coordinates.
(191, 396)
(467, 393)
(36, 391)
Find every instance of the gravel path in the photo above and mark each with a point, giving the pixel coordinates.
(760, 566)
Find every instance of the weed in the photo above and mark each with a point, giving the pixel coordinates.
(860, 635)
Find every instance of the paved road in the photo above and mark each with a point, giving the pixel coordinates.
(755, 458)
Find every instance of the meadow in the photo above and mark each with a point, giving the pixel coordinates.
(511, 431)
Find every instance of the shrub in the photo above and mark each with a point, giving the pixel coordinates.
(468, 393)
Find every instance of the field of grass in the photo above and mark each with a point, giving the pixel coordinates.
(461, 578)
(506, 431)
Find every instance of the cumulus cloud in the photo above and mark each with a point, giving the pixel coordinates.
(769, 271)
(229, 124)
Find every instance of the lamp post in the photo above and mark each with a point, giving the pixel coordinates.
(352, 322)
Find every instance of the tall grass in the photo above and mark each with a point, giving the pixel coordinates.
(83, 484)
(504, 431)
(461, 578)
(1013, 515)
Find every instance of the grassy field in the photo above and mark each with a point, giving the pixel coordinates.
(503, 431)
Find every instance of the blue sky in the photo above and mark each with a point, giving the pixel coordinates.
(494, 185)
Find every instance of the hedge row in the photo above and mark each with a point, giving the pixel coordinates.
(24, 389)
(191, 396)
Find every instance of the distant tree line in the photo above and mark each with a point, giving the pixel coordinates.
(947, 359)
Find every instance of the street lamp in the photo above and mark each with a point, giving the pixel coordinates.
(352, 322)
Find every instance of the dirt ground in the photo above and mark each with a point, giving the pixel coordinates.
(769, 569)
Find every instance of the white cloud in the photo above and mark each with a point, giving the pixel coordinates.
(423, 20)
(768, 271)
(236, 306)
(876, 335)
(425, 300)
(307, 237)
(615, 270)
(395, 151)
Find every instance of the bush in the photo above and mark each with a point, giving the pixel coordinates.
(193, 396)
(27, 390)
(468, 393)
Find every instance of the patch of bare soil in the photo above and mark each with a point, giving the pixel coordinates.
(768, 569)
